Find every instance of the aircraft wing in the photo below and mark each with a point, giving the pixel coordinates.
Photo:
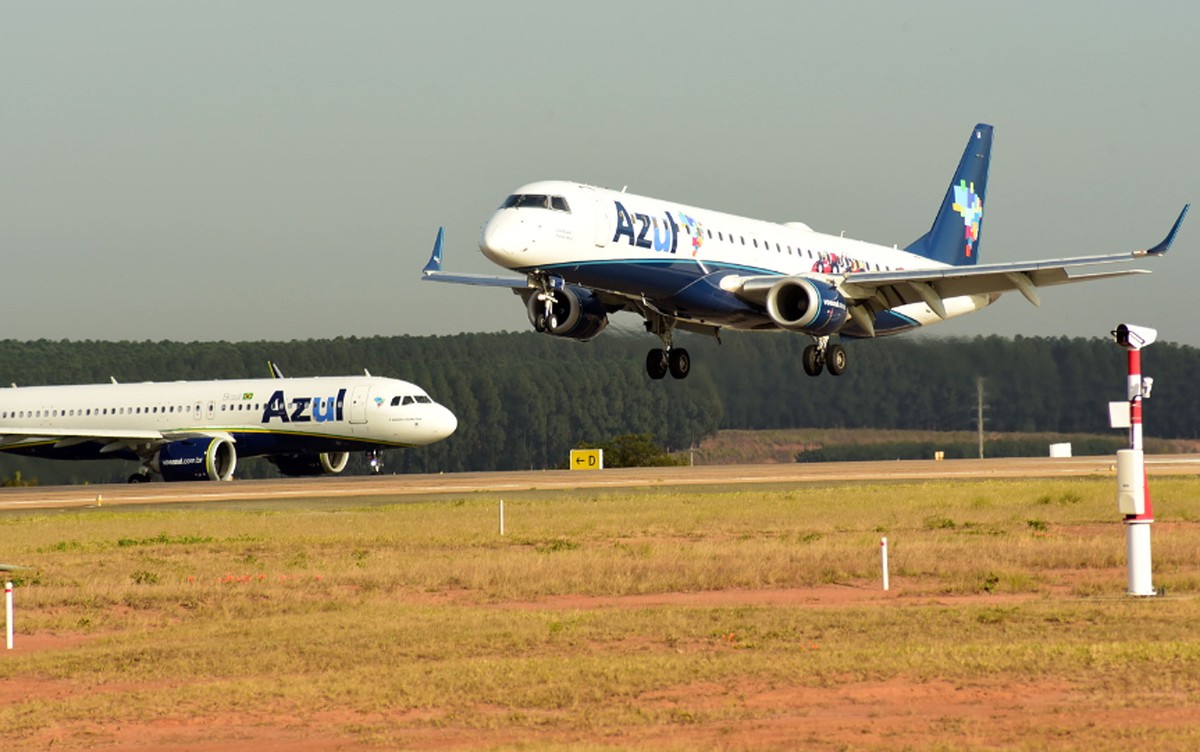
(114, 438)
(931, 286)
(433, 272)
(61, 438)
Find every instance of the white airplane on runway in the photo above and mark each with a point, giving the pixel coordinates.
(196, 430)
(587, 252)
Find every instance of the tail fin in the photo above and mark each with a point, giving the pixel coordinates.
(954, 237)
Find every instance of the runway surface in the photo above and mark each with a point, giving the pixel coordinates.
(544, 480)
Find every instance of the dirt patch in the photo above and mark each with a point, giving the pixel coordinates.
(845, 712)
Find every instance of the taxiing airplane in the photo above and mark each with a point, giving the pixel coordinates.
(587, 252)
(197, 430)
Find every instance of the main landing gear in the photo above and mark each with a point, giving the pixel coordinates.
(823, 355)
(666, 359)
(676, 360)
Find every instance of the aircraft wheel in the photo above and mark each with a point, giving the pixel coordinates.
(835, 360)
(680, 363)
(139, 478)
(657, 363)
(539, 323)
(811, 360)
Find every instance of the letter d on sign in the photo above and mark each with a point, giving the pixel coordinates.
(587, 459)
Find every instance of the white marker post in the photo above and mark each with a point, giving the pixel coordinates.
(502, 516)
(8, 618)
(883, 556)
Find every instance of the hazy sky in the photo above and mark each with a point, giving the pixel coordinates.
(278, 170)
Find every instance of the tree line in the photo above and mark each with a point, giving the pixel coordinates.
(524, 399)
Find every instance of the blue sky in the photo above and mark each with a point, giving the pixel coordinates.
(278, 170)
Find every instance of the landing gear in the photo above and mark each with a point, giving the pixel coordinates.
(542, 306)
(140, 478)
(835, 360)
(375, 461)
(676, 361)
(666, 359)
(657, 363)
(680, 363)
(823, 355)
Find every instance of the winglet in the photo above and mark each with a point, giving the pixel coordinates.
(435, 259)
(276, 371)
(1167, 241)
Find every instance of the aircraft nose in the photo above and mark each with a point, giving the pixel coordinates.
(502, 240)
(441, 424)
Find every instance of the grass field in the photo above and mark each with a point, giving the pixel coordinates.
(705, 618)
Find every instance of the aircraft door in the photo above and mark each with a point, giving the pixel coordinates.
(212, 410)
(358, 404)
(196, 412)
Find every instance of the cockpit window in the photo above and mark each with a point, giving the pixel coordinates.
(422, 399)
(535, 200)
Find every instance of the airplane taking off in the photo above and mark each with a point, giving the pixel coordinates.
(587, 252)
(196, 430)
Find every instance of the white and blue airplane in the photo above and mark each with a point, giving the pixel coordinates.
(587, 252)
(197, 430)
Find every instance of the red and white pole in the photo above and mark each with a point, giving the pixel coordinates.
(1133, 489)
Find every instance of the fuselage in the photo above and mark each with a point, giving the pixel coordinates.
(678, 256)
(263, 416)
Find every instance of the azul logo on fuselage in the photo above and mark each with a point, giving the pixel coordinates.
(645, 231)
(304, 409)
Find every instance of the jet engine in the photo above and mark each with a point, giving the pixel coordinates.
(302, 465)
(807, 305)
(572, 312)
(197, 459)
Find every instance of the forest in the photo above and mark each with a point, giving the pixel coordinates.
(524, 399)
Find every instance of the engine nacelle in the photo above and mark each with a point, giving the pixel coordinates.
(197, 459)
(576, 313)
(303, 465)
(807, 305)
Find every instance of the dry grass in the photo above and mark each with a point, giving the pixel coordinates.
(387, 621)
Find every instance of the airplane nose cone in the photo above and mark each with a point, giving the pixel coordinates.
(442, 424)
(502, 241)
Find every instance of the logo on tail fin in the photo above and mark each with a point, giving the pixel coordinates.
(970, 207)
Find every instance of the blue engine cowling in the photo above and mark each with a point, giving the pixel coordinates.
(807, 305)
(197, 459)
(575, 313)
(304, 465)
